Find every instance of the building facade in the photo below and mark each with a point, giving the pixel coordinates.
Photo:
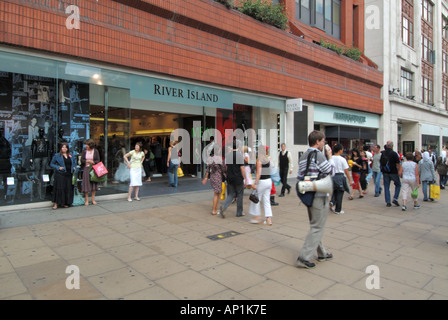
(410, 45)
(121, 71)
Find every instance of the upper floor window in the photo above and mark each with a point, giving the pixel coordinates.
(445, 62)
(426, 49)
(407, 32)
(406, 83)
(444, 27)
(427, 11)
(322, 14)
(427, 91)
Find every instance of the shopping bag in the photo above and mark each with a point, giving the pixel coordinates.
(100, 169)
(95, 178)
(414, 193)
(434, 191)
(275, 176)
(180, 173)
(223, 193)
(78, 198)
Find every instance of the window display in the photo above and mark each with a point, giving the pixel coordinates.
(29, 114)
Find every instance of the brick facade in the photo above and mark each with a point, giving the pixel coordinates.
(200, 40)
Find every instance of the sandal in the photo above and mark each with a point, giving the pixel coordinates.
(214, 213)
(55, 207)
(268, 223)
(360, 197)
(350, 198)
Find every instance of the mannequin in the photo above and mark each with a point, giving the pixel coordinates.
(5, 163)
(40, 149)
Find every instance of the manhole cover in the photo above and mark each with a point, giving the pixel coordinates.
(223, 235)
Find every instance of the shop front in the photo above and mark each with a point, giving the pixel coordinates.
(352, 129)
(45, 101)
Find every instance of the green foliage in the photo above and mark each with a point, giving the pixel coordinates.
(265, 12)
(352, 53)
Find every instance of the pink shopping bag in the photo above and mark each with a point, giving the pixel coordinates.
(100, 169)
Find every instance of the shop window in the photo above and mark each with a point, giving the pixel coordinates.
(301, 127)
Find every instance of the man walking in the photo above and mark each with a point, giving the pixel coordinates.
(318, 212)
(236, 175)
(339, 179)
(390, 164)
(376, 169)
(285, 166)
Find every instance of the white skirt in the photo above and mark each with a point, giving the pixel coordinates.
(136, 177)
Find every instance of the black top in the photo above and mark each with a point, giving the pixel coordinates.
(234, 168)
(68, 164)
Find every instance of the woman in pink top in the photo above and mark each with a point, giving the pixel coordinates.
(89, 157)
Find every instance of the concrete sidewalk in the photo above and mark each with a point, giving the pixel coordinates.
(160, 248)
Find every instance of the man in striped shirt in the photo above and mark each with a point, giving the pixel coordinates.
(320, 167)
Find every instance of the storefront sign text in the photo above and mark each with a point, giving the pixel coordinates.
(187, 94)
(349, 117)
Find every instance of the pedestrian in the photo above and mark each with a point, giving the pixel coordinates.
(285, 167)
(248, 181)
(135, 166)
(390, 164)
(318, 212)
(89, 157)
(147, 163)
(156, 149)
(442, 169)
(417, 156)
(356, 173)
(263, 186)
(216, 171)
(341, 174)
(427, 175)
(236, 175)
(364, 172)
(410, 179)
(64, 165)
(369, 157)
(376, 170)
(173, 163)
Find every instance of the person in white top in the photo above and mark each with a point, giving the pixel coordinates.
(341, 171)
(410, 179)
(369, 157)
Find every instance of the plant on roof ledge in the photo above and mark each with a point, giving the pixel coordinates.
(264, 11)
(228, 3)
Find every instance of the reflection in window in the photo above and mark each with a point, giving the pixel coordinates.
(322, 14)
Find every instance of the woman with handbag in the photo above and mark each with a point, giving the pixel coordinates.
(263, 186)
(410, 179)
(135, 166)
(216, 171)
(64, 165)
(173, 163)
(89, 157)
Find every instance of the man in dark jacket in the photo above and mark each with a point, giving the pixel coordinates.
(236, 175)
(390, 164)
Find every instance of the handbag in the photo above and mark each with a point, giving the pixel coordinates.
(100, 169)
(434, 191)
(95, 178)
(254, 197)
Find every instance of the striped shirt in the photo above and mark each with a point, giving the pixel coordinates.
(319, 165)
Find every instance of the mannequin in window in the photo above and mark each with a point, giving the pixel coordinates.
(33, 132)
(61, 136)
(5, 163)
(40, 151)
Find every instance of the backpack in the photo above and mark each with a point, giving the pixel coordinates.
(384, 163)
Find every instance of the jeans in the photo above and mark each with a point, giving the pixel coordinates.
(377, 178)
(172, 174)
(235, 191)
(336, 199)
(443, 180)
(426, 190)
(369, 175)
(387, 178)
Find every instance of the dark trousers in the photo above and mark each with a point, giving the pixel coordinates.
(336, 199)
(235, 191)
(284, 179)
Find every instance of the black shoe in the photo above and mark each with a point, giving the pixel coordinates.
(304, 264)
(377, 195)
(388, 205)
(395, 202)
(221, 212)
(328, 257)
(273, 203)
(281, 195)
(289, 189)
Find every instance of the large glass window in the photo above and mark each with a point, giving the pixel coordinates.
(322, 14)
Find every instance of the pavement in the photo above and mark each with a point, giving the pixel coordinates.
(169, 247)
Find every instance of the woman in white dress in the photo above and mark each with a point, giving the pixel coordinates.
(135, 165)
